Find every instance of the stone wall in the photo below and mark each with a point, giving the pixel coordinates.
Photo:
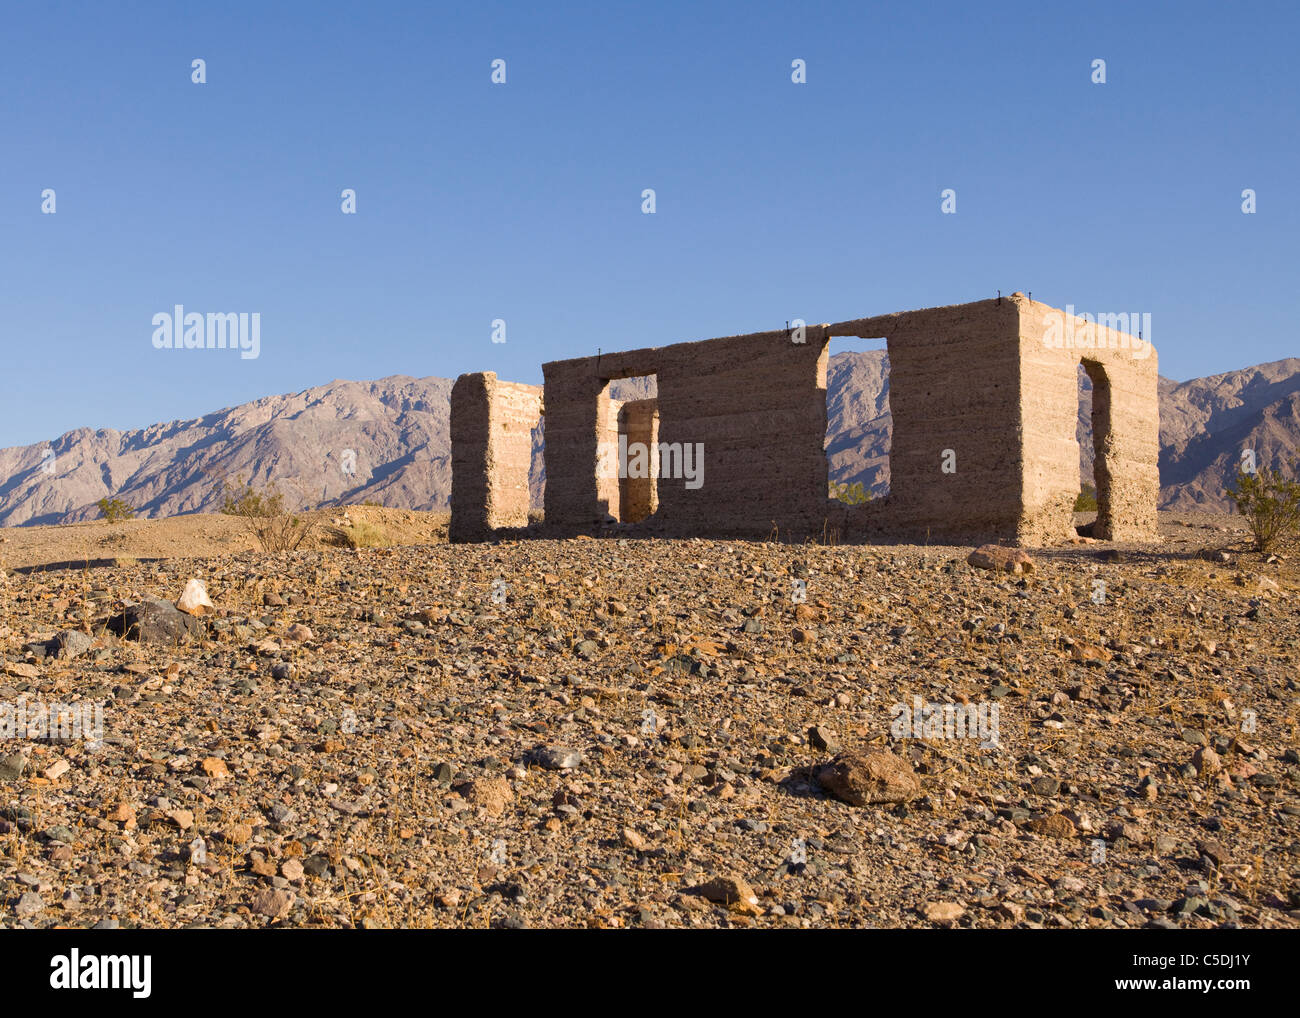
(984, 401)
(955, 453)
(986, 383)
(755, 405)
(492, 424)
(1125, 420)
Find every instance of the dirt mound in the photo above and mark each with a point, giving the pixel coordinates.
(200, 535)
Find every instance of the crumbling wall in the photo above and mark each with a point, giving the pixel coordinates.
(491, 450)
(955, 453)
(753, 406)
(1125, 418)
(984, 411)
(985, 406)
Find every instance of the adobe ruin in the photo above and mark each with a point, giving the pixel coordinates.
(984, 399)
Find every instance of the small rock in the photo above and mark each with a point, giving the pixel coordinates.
(555, 758)
(57, 769)
(61, 833)
(182, 818)
(194, 599)
(1001, 559)
(237, 834)
(1045, 786)
(732, 892)
(823, 738)
(12, 766)
(215, 767)
(443, 773)
(1207, 762)
(633, 840)
(1056, 826)
(493, 794)
(272, 903)
(943, 911)
(28, 905)
(73, 643)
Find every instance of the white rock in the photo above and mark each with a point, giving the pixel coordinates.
(194, 599)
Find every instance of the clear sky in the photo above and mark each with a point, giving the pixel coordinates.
(523, 201)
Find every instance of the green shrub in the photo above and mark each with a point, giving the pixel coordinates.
(1271, 504)
(114, 509)
(1087, 500)
(854, 494)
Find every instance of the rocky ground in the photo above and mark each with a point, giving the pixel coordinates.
(621, 733)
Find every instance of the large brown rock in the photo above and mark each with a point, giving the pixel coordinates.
(865, 778)
(1000, 559)
(731, 891)
(1057, 826)
(154, 621)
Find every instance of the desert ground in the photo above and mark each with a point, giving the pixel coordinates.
(615, 732)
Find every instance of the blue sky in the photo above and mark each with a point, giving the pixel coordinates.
(522, 201)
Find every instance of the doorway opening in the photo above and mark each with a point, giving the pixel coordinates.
(628, 457)
(1093, 435)
(859, 425)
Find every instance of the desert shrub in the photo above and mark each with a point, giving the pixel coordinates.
(114, 509)
(1087, 500)
(264, 515)
(1270, 501)
(364, 535)
(854, 494)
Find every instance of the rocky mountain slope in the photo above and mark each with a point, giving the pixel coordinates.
(1206, 423)
(388, 441)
